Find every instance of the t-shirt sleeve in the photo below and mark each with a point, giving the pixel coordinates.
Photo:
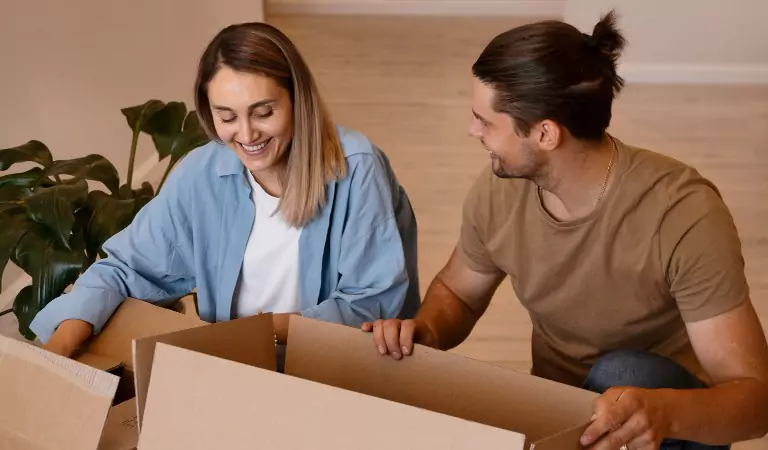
(471, 247)
(705, 267)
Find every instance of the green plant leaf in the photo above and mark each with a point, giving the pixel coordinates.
(51, 265)
(12, 208)
(176, 132)
(109, 216)
(185, 144)
(192, 136)
(165, 125)
(138, 116)
(142, 196)
(82, 219)
(32, 151)
(26, 179)
(17, 186)
(91, 167)
(145, 192)
(14, 192)
(125, 192)
(55, 207)
(25, 309)
(12, 228)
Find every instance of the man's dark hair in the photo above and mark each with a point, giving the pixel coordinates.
(550, 70)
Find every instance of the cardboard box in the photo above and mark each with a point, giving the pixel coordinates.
(202, 386)
(50, 402)
(134, 319)
(110, 350)
(215, 387)
(121, 432)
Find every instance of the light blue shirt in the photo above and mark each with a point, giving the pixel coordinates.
(357, 258)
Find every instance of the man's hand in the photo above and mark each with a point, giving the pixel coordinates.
(733, 350)
(633, 417)
(397, 337)
(455, 300)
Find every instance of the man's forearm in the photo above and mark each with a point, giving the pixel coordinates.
(448, 318)
(727, 413)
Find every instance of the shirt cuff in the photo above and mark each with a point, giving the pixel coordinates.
(94, 306)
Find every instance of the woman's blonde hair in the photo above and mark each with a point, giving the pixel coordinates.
(315, 156)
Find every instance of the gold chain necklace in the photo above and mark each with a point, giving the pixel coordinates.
(614, 150)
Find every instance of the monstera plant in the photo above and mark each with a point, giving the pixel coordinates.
(53, 222)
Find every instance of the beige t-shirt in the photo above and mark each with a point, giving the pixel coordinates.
(660, 250)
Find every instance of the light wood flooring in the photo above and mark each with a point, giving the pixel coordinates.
(405, 82)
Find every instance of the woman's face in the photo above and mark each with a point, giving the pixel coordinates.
(253, 115)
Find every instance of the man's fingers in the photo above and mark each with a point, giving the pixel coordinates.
(392, 338)
(407, 334)
(629, 434)
(607, 400)
(645, 441)
(610, 415)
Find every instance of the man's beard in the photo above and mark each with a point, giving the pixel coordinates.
(533, 166)
(498, 168)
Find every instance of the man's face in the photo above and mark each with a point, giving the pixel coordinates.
(512, 155)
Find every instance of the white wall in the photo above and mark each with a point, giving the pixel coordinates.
(67, 67)
(437, 7)
(686, 40)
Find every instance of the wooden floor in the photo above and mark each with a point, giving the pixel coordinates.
(405, 83)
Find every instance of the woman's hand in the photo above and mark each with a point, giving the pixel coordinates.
(281, 326)
(628, 418)
(68, 337)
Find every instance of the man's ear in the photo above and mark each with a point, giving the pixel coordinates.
(549, 135)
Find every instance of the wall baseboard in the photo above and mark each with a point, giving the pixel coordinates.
(12, 290)
(694, 73)
(420, 7)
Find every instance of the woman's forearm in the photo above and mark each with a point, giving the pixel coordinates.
(68, 337)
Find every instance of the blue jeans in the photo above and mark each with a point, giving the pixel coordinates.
(649, 371)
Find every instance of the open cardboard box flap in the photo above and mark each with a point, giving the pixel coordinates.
(248, 341)
(110, 350)
(340, 394)
(50, 402)
(235, 406)
(133, 319)
(121, 430)
(442, 382)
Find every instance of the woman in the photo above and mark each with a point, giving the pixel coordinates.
(282, 212)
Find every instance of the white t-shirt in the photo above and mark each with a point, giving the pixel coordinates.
(269, 277)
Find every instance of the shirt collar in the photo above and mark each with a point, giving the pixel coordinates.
(228, 163)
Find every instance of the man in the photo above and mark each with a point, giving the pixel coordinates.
(628, 261)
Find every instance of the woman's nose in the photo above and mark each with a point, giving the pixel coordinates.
(247, 133)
